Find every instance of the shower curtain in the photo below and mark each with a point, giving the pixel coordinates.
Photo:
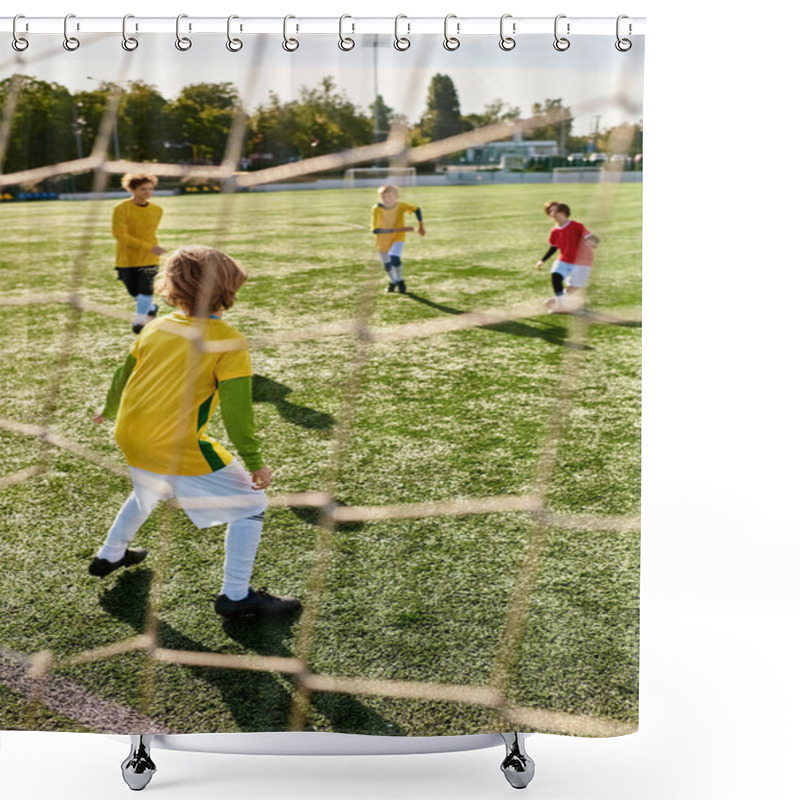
(440, 338)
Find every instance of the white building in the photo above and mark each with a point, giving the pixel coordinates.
(496, 153)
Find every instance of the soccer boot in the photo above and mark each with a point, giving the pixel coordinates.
(137, 328)
(100, 567)
(152, 313)
(401, 285)
(258, 603)
(391, 287)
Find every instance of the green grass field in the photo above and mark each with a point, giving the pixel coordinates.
(458, 415)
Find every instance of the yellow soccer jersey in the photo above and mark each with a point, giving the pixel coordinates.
(172, 394)
(390, 218)
(134, 228)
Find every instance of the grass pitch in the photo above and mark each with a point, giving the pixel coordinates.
(463, 414)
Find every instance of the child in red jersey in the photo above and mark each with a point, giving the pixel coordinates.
(576, 245)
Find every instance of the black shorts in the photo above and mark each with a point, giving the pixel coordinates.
(138, 280)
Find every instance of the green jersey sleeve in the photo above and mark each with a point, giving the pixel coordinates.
(236, 405)
(118, 382)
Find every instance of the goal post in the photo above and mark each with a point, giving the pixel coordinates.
(356, 177)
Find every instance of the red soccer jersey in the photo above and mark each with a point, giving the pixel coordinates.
(570, 240)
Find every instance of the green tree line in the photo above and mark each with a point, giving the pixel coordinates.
(50, 124)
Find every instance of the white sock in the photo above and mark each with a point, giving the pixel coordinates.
(144, 302)
(129, 519)
(241, 544)
(393, 274)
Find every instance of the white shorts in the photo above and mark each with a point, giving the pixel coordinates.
(395, 250)
(213, 499)
(574, 274)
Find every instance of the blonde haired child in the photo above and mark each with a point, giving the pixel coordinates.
(179, 370)
(388, 225)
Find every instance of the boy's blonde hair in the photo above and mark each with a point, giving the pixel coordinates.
(388, 187)
(133, 180)
(200, 280)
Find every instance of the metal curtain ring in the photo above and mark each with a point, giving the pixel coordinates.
(401, 42)
(346, 42)
(70, 42)
(129, 43)
(451, 42)
(19, 43)
(290, 44)
(561, 43)
(233, 44)
(506, 42)
(183, 43)
(623, 45)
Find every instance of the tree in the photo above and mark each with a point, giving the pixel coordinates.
(328, 122)
(91, 108)
(321, 121)
(551, 121)
(495, 111)
(382, 116)
(624, 139)
(44, 125)
(442, 117)
(270, 137)
(145, 132)
(202, 116)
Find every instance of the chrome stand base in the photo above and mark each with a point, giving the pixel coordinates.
(138, 768)
(517, 766)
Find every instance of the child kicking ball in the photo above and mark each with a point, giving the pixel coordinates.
(576, 246)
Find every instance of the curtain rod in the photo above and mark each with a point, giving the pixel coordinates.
(347, 25)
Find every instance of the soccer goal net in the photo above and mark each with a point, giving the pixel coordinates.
(455, 496)
(356, 177)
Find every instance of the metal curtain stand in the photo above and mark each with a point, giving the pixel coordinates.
(138, 768)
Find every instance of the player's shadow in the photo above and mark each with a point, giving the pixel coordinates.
(311, 516)
(605, 319)
(265, 390)
(554, 335)
(256, 701)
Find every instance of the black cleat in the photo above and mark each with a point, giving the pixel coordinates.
(100, 567)
(401, 285)
(258, 603)
(391, 287)
(153, 312)
(137, 328)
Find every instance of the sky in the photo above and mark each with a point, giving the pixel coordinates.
(591, 76)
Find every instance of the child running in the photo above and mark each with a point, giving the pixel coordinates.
(179, 369)
(134, 223)
(388, 225)
(577, 246)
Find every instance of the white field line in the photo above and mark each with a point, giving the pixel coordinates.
(70, 700)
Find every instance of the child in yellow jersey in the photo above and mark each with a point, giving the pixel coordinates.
(388, 225)
(134, 223)
(179, 370)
